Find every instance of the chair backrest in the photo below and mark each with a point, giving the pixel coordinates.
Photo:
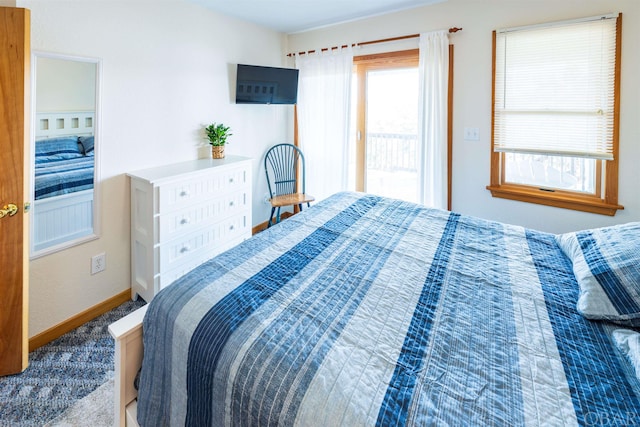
(283, 164)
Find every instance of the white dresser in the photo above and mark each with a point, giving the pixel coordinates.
(183, 214)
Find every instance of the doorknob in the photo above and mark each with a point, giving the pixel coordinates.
(9, 209)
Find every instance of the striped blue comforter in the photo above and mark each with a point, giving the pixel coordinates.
(59, 177)
(367, 311)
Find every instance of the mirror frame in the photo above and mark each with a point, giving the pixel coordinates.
(97, 149)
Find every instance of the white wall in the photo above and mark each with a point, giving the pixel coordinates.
(64, 85)
(472, 94)
(168, 68)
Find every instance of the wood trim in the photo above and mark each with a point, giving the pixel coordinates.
(556, 199)
(611, 172)
(361, 127)
(450, 128)
(495, 157)
(78, 320)
(26, 218)
(400, 58)
(295, 126)
(295, 142)
(599, 169)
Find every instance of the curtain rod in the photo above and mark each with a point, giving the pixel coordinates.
(392, 39)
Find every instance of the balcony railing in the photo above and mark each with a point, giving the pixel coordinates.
(568, 173)
(392, 152)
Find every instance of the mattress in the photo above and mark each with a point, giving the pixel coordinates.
(365, 311)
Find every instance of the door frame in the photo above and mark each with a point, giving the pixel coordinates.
(389, 60)
(362, 64)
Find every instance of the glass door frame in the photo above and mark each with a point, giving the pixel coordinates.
(398, 59)
(363, 64)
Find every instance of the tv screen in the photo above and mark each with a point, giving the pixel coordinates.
(266, 85)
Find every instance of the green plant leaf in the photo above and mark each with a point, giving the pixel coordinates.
(217, 133)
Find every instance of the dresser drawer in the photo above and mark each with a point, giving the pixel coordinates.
(201, 244)
(176, 195)
(168, 277)
(194, 216)
(233, 228)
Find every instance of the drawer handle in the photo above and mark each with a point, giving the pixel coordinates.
(231, 180)
(184, 221)
(184, 249)
(231, 203)
(184, 193)
(231, 227)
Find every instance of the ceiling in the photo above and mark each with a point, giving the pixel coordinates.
(291, 16)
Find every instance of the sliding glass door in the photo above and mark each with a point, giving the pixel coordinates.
(385, 111)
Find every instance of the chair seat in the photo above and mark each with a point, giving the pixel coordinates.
(291, 199)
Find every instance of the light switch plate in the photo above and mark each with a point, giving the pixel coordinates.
(471, 134)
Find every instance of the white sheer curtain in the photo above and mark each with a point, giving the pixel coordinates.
(324, 91)
(432, 118)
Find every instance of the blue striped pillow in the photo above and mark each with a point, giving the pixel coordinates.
(606, 263)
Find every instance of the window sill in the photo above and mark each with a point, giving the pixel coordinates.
(557, 199)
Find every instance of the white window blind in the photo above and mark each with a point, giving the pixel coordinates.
(554, 88)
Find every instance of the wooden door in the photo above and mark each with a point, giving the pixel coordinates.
(15, 59)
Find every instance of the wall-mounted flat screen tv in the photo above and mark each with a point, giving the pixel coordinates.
(266, 85)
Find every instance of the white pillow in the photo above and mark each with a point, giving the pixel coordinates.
(628, 342)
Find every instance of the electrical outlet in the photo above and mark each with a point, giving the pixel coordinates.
(266, 198)
(98, 263)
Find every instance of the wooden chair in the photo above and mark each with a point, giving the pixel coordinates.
(285, 169)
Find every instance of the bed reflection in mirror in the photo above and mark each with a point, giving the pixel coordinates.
(64, 135)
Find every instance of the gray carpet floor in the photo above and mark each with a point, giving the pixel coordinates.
(94, 410)
(61, 373)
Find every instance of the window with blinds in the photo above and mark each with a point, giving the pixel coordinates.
(555, 111)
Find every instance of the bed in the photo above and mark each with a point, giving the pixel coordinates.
(364, 310)
(63, 177)
(62, 173)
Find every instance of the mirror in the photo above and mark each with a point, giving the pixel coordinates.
(65, 146)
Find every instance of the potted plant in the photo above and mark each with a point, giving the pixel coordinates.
(217, 135)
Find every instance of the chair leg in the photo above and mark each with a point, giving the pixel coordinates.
(270, 217)
(278, 216)
(300, 207)
(308, 204)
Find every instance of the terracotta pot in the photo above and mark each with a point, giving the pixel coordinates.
(217, 151)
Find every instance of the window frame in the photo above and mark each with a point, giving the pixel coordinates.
(606, 170)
